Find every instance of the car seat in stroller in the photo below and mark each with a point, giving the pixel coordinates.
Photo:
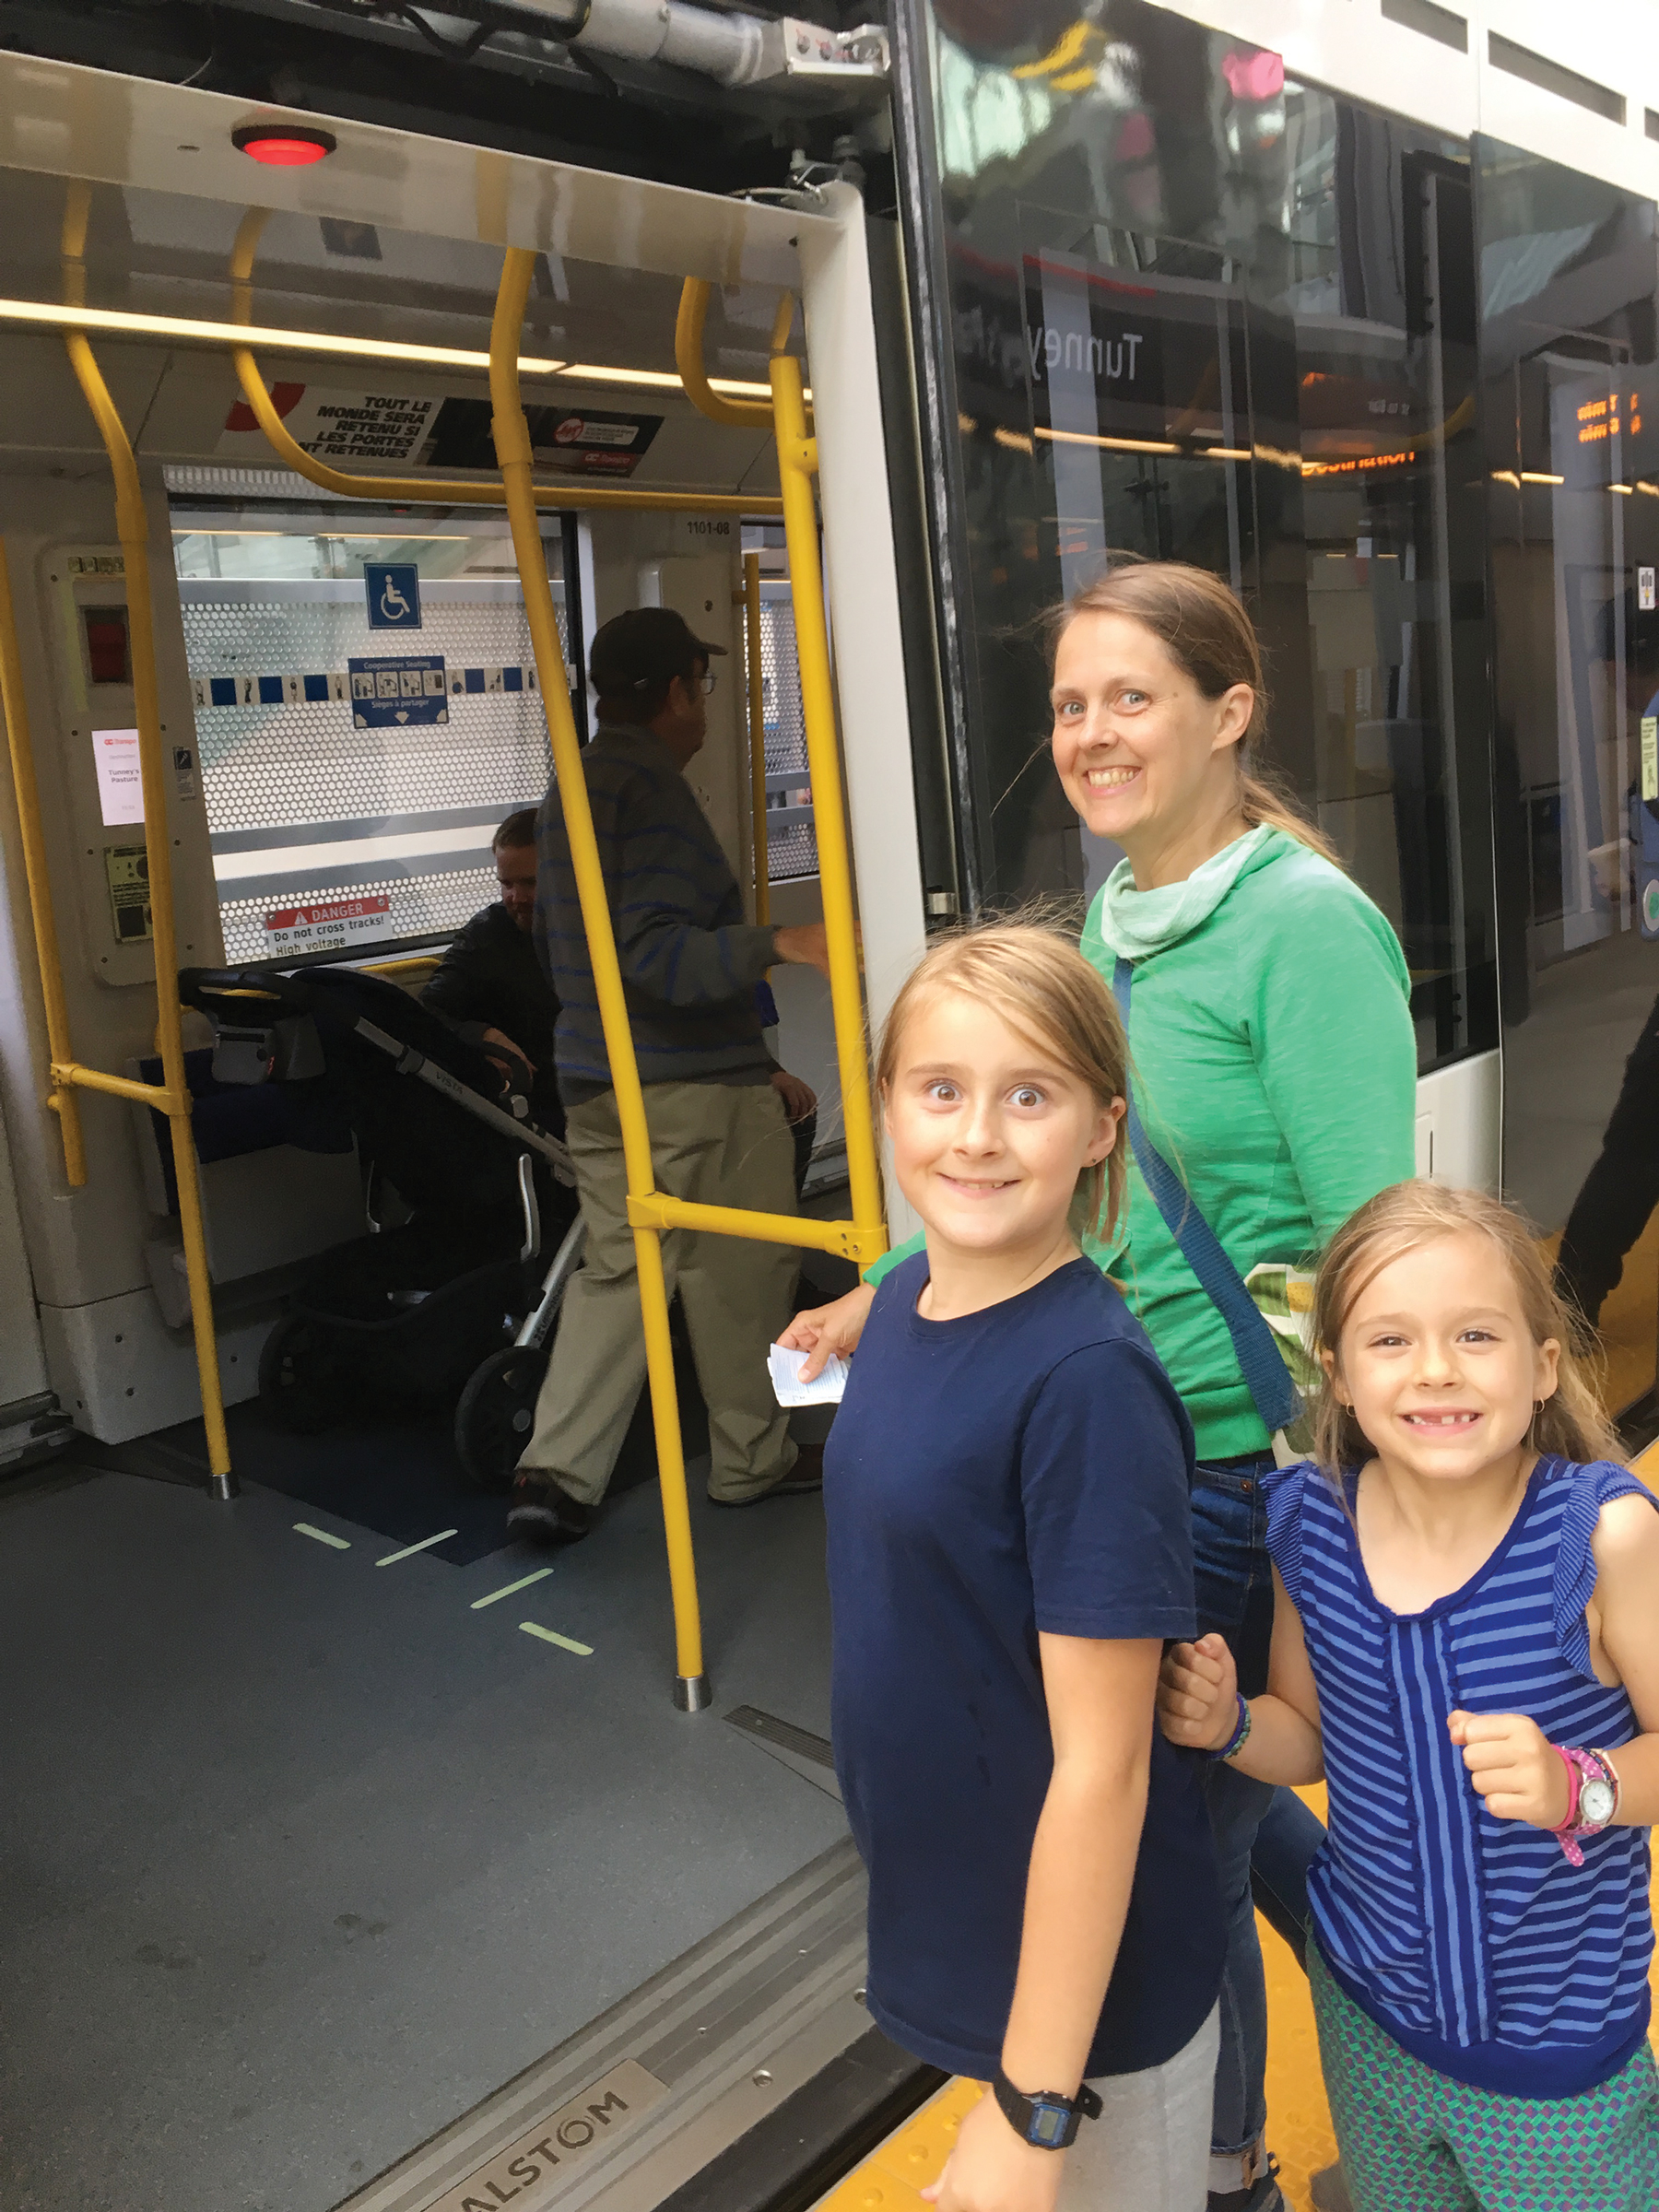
(410, 1317)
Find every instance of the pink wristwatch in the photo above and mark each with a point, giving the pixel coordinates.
(1592, 1798)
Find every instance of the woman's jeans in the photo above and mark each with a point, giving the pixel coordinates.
(1264, 1836)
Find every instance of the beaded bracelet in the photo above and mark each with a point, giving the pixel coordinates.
(1240, 1735)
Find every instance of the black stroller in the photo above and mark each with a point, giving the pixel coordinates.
(443, 1307)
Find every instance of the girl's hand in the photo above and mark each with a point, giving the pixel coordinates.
(1199, 1694)
(833, 1328)
(1513, 1765)
(990, 2169)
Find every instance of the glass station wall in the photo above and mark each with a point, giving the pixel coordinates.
(1184, 308)
(1571, 414)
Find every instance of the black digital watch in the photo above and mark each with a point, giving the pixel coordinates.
(1047, 2121)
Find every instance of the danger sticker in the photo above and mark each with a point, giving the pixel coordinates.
(336, 922)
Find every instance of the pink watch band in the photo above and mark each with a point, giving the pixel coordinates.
(1581, 1765)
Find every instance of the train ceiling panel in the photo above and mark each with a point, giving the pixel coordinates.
(68, 120)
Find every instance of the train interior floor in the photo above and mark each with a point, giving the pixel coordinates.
(314, 1846)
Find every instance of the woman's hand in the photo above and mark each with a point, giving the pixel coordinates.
(1518, 1771)
(1199, 1694)
(990, 2169)
(836, 1327)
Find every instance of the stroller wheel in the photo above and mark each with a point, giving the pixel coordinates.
(302, 1384)
(497, 1413)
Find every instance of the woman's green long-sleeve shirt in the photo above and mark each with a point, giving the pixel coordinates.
(1275, 1066)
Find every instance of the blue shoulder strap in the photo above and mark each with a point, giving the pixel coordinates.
(1254, 1346)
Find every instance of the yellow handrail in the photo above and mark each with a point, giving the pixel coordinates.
(60, 1097)
(512, 452)
(864, 1236)
(172, 1097)
(757, 735)
(441, 492)
(746, 414)
(798, 464)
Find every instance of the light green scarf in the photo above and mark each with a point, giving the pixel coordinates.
(1133, 925)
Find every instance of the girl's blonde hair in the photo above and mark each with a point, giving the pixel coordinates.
(1210, 637)
(1395, 1221)
(1037, 980)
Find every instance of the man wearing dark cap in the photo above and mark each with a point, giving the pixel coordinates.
(690, 965)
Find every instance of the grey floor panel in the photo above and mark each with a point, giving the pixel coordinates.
(307, 1855)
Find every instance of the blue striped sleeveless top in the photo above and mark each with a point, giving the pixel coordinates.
(1471, 1941)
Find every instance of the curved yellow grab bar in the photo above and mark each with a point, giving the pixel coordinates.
(797, 463)
(747, 414)
(512, 452)
(132, 530)
(441, 492)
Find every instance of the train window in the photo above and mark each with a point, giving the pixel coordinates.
(1572, 417)
(353, 776)
(1196, 311)
(791, 837)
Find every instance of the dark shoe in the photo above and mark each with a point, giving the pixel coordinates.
(543, 1513)
(803, 1478)
(1263, 2195)
(1329, 2191)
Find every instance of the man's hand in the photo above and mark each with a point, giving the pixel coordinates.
(799, 1099)
(1199, 1694)
(990, 2169)
(494, 1042)
(803, 945)
(836, 1327)
(1513, 1765)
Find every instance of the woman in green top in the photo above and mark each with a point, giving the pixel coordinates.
(1275, 1068)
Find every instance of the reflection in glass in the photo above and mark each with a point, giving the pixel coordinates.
(1571, 416)
(1199, 311)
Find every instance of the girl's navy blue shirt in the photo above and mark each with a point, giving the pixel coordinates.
(1025, 1469)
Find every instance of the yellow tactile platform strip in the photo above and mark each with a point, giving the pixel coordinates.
(892, 2177)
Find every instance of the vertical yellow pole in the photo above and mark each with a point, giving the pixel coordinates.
(756, 732)
(797, 463)
(514, 455)
(60, 1097)
(132, 530)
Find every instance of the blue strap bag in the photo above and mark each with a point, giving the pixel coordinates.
(1255, 1347)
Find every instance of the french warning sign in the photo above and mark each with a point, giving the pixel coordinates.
(335, 425)
(397, 690)
(321, 928)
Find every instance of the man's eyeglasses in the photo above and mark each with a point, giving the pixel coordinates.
(703, 683)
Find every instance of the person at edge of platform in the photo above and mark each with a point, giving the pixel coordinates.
(1007, 1495)
(1466, 1650)
(1252, 958)
(689, 966)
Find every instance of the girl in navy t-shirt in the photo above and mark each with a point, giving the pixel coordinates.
(1006, 1489)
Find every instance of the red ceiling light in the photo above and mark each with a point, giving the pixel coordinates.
(282, 144)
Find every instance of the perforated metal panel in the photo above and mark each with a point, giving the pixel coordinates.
(417, 906)
(271, 767)
(791, 842)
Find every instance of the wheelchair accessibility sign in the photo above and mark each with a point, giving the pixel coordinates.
(397, 690)
(394, 594)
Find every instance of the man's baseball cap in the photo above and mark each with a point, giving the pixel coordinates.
(648, 645)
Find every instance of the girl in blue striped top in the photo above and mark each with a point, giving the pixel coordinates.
(1465, 1648)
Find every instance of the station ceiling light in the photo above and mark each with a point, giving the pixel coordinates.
(283, 145)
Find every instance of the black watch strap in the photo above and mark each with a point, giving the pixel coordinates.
(1047, 2121)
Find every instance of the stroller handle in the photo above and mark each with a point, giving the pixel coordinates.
(242, 994)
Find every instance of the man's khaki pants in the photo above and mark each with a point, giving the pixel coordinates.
(720, 1145)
